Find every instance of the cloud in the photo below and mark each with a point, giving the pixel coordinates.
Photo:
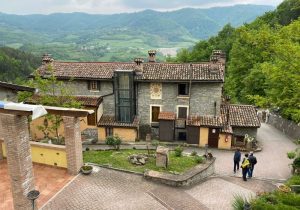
(113, 6)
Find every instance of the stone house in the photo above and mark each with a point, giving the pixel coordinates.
(9, 91)
(167, 101)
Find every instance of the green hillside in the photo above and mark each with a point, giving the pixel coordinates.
(263, 59)
(118, 37)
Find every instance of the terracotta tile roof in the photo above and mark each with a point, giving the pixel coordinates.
(166, 116)
(16, 87)
(107, 120)
(89, 100)
(240, 115)
(92, 101)
(88, 70)
(226, 129)
(206, 121)
(151, 71)
(237, 115)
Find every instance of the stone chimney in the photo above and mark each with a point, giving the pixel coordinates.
(139, 65)
(218, 56)
(47, 59)
(151, 54)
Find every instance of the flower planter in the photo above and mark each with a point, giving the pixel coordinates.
(284, 188)
(86, 170)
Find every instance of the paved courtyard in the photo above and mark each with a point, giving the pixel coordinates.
(108, 189)
(48, 181)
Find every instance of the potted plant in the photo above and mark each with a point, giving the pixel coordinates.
(86, 169)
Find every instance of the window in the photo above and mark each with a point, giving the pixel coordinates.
(94, 85)
(108, 131)
(183, 89)
(124, 96)
(182, 112)
(91, 119)
(182, 136)
(154, 113)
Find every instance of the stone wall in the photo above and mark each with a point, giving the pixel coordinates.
(193, 176)
(203, 96)
(80, 87)
(240, 131)
(288, 127)
(7, 94)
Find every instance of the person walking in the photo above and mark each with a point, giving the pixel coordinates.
(253, 161)
(236, 160)
(245, 166)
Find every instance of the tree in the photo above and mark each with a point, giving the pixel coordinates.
(52, 92)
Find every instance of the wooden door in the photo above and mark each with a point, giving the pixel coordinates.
(213, 137)
(166, 130)
(193, 134)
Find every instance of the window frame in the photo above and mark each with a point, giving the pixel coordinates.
(187, 89)
(182, 106)
(160, 109)
(94, 85)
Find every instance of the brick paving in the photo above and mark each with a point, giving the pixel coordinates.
(109, 189)
(48, 180)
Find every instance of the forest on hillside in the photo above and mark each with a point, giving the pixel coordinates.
(263, 60)
(16, 65)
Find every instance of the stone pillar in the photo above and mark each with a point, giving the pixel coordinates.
(16, 138)
(162, 156)
(73, 144)
(1, 151)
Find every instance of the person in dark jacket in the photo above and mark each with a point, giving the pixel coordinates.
(236, 160)
(253, 161)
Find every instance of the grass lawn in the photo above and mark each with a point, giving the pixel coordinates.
(118, 159)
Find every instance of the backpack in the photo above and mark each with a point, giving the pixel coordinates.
(245, 163)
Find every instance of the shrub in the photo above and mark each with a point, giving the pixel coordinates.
(199, 159)
(155, 143)
(239, 202)
(291, 155)
(194, 153)
(178, 151)
(114, 141)
(294, 180)
(296, 162)
(86, 168)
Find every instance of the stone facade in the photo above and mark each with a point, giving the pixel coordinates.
(80, 87)
(240, 131)
(7, 94)
(203, 96)
(73, 144)
(16, 138)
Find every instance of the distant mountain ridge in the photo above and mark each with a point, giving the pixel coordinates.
(149, 28)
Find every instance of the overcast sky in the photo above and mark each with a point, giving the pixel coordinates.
(114, 6)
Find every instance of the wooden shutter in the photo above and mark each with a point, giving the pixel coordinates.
(91, 119)
(182, 112)
(98, 85)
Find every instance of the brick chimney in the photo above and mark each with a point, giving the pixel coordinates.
(47, 59)
(151, 54)
(139, 65)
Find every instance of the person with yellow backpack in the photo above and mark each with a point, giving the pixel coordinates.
(245, 166)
